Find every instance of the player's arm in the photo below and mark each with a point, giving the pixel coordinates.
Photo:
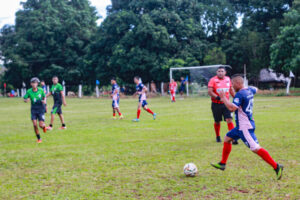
(48, 94)
(212, 94)
(63, 98)
(43, 97)
(144, 89)
(26, 97)
(230, 106)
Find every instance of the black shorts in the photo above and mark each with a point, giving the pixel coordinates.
(220, 112)
(38, 116)
(56, 109)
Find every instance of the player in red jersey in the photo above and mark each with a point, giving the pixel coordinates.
(173, 88)
(220, 82)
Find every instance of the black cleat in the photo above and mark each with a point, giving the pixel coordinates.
(235, 142)
(218, 139)
(219, 166)
(279, 171)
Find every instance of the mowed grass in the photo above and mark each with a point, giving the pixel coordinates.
(101, 158)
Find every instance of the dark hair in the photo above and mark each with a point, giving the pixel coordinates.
(222, 67)
(42, 81)
(237, 75)
(55, 76)
(137, 77)
(113, 78)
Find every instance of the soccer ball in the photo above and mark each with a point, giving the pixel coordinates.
(190, 169)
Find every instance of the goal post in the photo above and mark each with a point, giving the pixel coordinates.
(198, 77)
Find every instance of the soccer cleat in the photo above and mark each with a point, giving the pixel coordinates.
(39, 141)
(278, 171)
(121, 117)
(154, 116)
(49, 128)
(219, 166)
(235, 142)
(63, 128)
(136, 120)
(45, 129)
(218, 139)
(114, 118)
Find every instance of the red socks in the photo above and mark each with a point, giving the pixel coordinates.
(230, 126)
(226, 152)
(150, 111)
(114, 114)
(217, 129)
(120, 113)
(138, 113)
(264, 154)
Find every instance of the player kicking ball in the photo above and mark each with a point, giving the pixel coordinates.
(141, 91)
(245, 126)
(37, 98)
(115, 94)
(173, 88)
(59, 98)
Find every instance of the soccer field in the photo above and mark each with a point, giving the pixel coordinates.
(101, 158)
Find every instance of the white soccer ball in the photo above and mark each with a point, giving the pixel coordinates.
(190, 169)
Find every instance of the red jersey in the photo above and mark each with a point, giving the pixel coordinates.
(173, 86)
(218, 85)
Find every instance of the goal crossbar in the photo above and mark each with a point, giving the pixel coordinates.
(194, 67)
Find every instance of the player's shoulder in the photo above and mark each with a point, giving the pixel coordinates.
(227, 78)
(40, 89)
(29, 90)
(214, 78)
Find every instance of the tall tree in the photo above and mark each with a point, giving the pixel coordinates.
(50, 37)
(285, 51)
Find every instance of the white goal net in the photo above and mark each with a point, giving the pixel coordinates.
(197, 77)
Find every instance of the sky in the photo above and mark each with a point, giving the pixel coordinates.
(8, 9)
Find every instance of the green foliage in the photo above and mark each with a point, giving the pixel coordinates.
(215, 56)
(50, 37)
(285, 51)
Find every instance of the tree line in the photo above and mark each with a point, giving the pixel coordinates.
(147, 37)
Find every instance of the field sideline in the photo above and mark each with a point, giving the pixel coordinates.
(101, 158)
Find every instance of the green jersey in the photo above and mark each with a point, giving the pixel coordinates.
(56, 93)
(36, 98)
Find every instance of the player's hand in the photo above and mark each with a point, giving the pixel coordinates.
(65, 104)
(222, 94)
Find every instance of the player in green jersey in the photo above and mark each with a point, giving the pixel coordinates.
(37, 98)
(59, 98)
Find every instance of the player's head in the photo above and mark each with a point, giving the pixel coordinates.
(42, 82)
(113, 80)
(182, 78)
(172, 80)
(221, 72)
(237, 82)
(55, 80)
(136, 80)
(34, 82)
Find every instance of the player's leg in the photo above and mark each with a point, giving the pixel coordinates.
(53, 112)
(119, 112)
(148, 109)
(228, 117)
(61, 117)
(113, 108)
(35, 127)
(251, 141)
(230, 136)
(137, 119)
(41, 118)
(217, 114)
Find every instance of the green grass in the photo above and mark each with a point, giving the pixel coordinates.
(99, 158)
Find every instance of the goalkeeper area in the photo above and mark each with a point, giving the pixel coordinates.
(101, 158)
(197, 77)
